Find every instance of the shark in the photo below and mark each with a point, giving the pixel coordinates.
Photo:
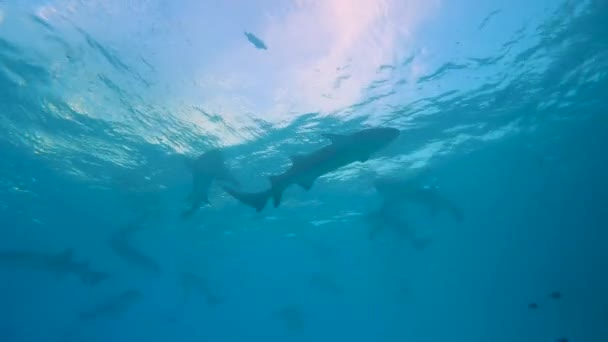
(292, 316)
(325, 283)
(389, 217)
(395, 190)
(59, 264)
(113, 306)
(123, 248)
(206, 169)
(192, 282)
(343, 150)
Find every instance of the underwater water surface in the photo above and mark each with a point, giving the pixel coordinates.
(370, 170)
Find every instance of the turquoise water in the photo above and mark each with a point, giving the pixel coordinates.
(493, 230)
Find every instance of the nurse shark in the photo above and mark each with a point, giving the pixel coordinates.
(206, 169)
(395, 190)
(60, 264)
(305, 169)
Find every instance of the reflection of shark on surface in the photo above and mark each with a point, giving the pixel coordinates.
(113, 306)
(257, 42)
(60, 264)
(206, 169)
(395, 191)
(305, 169)
(192, 282)
(123, 248)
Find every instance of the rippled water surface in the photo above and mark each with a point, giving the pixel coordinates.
(497, 233)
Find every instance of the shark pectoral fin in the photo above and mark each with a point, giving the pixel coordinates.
(306, 184)
(256, 200)
(335, 138)
(276, 197)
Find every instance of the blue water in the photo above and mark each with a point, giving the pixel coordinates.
(501, 106)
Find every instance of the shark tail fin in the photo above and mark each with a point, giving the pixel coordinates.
(277, 193)
(256, 200)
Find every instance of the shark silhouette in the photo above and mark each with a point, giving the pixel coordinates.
(123, 248)
(60, 264)
(390, 218)
(206, 169)
(395, 190)
(292, 316)
(192, 282)
(113, 306)
(325, 283)
(305, 169)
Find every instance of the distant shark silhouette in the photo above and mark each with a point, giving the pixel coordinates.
(395, 190)
(192, 282)
(390, 217)
(123, 248)
(292, 316)
(305, 169)
(206, 169)
(113, 306)
(325, 283)
(59, 264)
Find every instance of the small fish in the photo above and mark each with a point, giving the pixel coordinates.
(532, 306)
(555, 295)
(257, 42)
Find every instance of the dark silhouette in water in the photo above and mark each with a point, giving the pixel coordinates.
(326, 284)
(395, 190)
(555, 295)
(113, 306)
(533, 306)
(207, 168)
(123, 248)
(59, 264)
(305, 169)
(390, 217)
(292, 316)
(257, 42)
(192, 282)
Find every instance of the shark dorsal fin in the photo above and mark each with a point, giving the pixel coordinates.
(335, 138)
